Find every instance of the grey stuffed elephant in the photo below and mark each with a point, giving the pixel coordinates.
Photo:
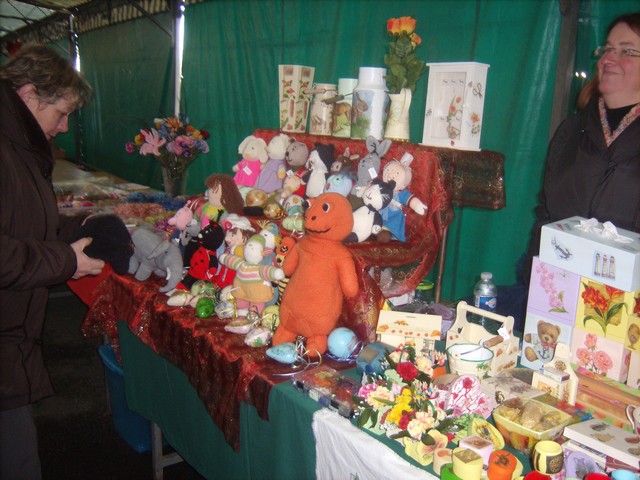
(153, 254)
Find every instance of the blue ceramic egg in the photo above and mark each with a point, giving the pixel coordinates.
(342, 342)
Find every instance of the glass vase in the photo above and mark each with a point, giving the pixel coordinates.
(174, 173)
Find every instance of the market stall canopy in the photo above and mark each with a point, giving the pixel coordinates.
(44, 21)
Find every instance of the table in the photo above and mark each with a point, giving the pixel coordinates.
(158, 390)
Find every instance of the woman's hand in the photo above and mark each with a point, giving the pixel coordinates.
(85, 265)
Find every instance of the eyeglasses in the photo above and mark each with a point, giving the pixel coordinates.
(620, 52)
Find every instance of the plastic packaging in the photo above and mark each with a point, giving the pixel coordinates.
(485, 293)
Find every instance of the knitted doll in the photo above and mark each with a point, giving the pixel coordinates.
(237, 231)
(254, 155)
(322, 273)
(393, 216)
(222, 196)
(252, 286)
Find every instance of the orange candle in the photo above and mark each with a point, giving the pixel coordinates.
(502, 464)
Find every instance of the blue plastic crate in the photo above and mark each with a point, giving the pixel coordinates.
(133, 428)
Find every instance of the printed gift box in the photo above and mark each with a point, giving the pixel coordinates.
(602, 356)
(553, 292)
(607, 311)
(599, 251)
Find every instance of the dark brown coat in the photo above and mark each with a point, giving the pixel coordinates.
(33, 253)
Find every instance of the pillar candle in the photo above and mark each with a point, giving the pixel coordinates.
(440, 457)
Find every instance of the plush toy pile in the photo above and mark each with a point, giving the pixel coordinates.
(271, 237)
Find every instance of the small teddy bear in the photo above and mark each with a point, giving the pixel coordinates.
(543, 344)
(254, 155)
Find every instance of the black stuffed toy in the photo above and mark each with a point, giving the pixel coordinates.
(111, 241)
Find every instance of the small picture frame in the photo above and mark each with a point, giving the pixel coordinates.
(455, 105)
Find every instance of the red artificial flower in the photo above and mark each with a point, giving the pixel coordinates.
(407, 371)
(405, 419)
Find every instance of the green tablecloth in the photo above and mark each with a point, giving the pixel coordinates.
(282, 447)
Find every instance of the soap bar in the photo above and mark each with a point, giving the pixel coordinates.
(481, 446)
(467, 464)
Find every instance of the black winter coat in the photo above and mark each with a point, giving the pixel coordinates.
(585, 177)
(33, 253)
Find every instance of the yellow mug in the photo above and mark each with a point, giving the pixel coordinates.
(547, 457)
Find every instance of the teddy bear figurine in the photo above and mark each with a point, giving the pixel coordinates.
(322, 272)
(393, 216)
(543, 344)
(252, 287)
(254, 155)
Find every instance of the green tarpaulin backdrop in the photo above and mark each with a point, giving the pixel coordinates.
(231, 57)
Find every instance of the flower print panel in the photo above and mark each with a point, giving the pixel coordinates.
(602, 356)
(606, 311)
(553, 292)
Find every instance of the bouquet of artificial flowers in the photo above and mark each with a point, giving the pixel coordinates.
(174, 141)
(399, 403)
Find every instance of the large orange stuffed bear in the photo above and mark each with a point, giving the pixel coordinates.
(322, 273)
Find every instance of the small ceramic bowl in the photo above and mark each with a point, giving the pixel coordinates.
(469, 359)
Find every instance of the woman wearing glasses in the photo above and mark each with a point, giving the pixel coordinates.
(593, 160)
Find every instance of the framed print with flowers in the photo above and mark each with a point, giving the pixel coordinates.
(455, 104)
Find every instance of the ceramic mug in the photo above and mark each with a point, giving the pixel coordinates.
(633, 414)
(547, 457)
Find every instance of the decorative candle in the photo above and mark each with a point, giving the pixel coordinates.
(502, 464)
(441, 457)
(481, 446)
(467, 464)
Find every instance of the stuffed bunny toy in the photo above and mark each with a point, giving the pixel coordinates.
(369, 165)
(254, 155)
